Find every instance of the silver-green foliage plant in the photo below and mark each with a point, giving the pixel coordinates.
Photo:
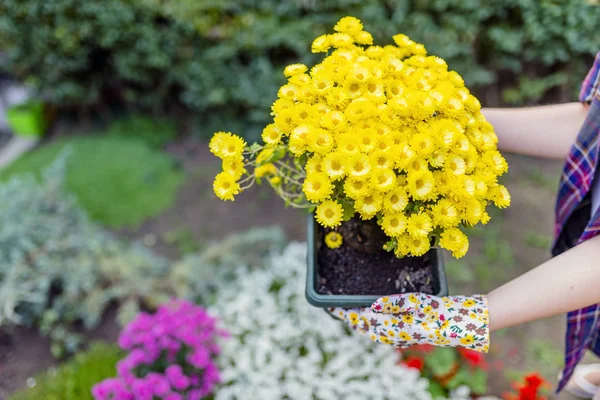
(61, 272)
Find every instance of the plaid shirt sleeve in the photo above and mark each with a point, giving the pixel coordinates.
(591, 85)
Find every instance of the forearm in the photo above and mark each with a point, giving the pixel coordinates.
(544, 131)
(564, 283)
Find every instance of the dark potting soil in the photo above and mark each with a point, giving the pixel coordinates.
(360, 266)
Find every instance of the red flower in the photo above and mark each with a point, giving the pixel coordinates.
(414, 362)
(529, 391)
(473, 358)
(453, 335)
(442, 318)
(377, 307)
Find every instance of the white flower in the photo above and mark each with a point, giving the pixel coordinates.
(281, 347)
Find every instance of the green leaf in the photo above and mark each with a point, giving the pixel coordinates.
(441, 361)
(436, 390)
(348, 210)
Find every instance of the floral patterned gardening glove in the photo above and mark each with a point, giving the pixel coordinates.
(417, 318)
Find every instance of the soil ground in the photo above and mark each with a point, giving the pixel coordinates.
(516, 240)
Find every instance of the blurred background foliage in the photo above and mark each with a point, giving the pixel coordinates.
(221, 61)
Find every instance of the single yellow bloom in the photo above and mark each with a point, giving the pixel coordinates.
(355, 188)
(383, 179)
(225, 186)
(419, 225)
(421, 184)
(348, 25)
(368, 205)
(234, 167)
(396, 200)
(333, 240)
(265, 170)
(394, 224)
(321, 44)
(329, 214)
(317, 187)
(359, 166)
(294, 69)
(271, 135)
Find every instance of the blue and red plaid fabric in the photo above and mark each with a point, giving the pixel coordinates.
(583, 326)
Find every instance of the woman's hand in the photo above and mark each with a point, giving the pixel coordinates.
(417, 318)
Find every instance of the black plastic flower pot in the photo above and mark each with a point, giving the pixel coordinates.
(439, 283)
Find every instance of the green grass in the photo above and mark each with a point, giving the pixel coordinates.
(119, 182)
(75, 378)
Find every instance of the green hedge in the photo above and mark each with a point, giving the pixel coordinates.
(226, 56)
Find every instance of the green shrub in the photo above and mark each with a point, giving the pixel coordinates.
(74, 379)
(60, 271)
(155, 132)
(117, 181)
(225, 57)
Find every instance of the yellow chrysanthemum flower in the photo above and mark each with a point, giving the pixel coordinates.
(234, 167)
(320, 141)
(438, 158)
(456, 165)
(265, 155)
(317, 187)
(341, 40)
(299, 139)
(360, 108)
(348, 25)
(334, 165)
(321, 44)
(495, 161)
(285, 120)
(356, 188)
(300, 80)
(289, 92)
(314, 164)
(294, 69)
(472, 211)
(405, 156)
(329, 214)
(416, 246)
(333, 240)
(227, 145)
(383, 179)
(225, 186)
(363, 37)
(421, 184)
(423, 144)
(271, 135)
(445, 213)
(265, 170)
(366, 140)
(368, 205)
(453, 239)
(348, 145)
(358, 166)
(382, 159)
(500, 196)
(394, 224)
(419, 225)
(334, 120)
(395, 200)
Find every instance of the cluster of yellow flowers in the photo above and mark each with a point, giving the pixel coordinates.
(387, 132)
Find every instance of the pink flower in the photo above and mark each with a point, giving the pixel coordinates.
(179, 334)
